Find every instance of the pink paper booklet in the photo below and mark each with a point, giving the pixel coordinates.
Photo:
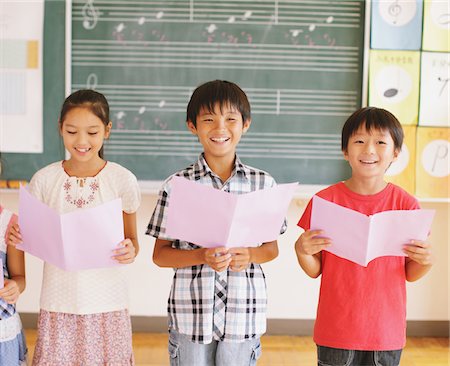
(210, 217)
(81, 239)
(361, 238)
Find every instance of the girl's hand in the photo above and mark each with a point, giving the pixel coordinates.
(14, 236)
(419, 251)
(309, 243)
(240, 259)
(126, 254)
(10, 293)
(217, 258)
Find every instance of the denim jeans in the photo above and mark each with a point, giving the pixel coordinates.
(327, 356)
(184, 352)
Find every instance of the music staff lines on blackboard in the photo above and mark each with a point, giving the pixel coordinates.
(319, 13)
(139, 98)
(263, 57)
(176, 143)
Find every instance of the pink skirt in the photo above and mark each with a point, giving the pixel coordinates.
(75, 340)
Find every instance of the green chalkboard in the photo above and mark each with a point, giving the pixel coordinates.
(23, 166)
(299, 62)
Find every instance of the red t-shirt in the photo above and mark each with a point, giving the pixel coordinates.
(362, 308)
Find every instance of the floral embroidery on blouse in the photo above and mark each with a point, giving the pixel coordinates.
(79, 198)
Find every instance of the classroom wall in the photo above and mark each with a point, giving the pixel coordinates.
(292, 295)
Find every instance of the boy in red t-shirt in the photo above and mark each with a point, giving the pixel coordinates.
(361, 315)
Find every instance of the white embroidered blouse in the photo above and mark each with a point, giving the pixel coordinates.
(95, 290)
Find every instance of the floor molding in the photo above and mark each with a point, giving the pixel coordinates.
(294, 327)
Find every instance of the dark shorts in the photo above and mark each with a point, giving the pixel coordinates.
(327, 356)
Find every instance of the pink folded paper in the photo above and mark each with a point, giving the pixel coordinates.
(210, 217)
(361, 238)
(81, 239)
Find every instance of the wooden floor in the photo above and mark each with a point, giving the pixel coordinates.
(151, 349)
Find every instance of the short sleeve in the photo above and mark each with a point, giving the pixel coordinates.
(305, 220)
(157, 225)
(130, 193)
(36, 185)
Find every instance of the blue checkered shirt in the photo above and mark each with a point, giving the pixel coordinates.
(205, 304)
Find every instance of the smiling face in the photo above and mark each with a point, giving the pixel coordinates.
(370, 153)
(219, 131)
(83, 134)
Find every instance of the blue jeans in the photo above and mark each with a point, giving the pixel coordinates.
(184, 352)
(327, 356)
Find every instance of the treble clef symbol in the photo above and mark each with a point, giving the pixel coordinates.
(395, 9)
(90, 15)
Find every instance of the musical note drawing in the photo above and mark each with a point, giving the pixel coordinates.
(295, 32)
(120, 27)
(92, 81)
(211, 28)
(329, 20)
(247, 15)
(141, 20)
(141, 110)
(398, 12)
(312, 27)
(445, 83)
(393, 84)
(162, 125)
(444, 19)
(90, 15)
(159, 15)
(394, 11)
(120, 114)
(310, 40)
(162, 103)
(231, 19)
(330, 40)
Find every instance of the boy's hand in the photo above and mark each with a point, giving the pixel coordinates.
(240, 259)
(218, 258)
(419, 251)
(126, 254)
(14, 236)
(309, 243)
(10, 293)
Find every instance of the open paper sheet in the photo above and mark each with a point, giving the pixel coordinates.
(81, 239)
(211, 218)
(361, 238)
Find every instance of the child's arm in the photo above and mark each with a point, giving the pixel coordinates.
(242, 257)
(130, 244)
(308, 249)
(166, 256)
(15, 285)
(419, 260)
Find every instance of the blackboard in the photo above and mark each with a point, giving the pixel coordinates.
(17, 166)
(300, 62)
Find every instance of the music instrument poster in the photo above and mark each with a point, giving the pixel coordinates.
(433, 162)
(394, 83)
(396, 25)
(435, 89)
(436, 26)
(402, 172)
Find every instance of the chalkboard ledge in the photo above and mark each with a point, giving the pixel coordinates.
(303, 192)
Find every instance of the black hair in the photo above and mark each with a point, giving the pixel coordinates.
(90, 99)
(222, 92)
(373, 119)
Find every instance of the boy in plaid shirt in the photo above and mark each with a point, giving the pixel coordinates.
(217, 303)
